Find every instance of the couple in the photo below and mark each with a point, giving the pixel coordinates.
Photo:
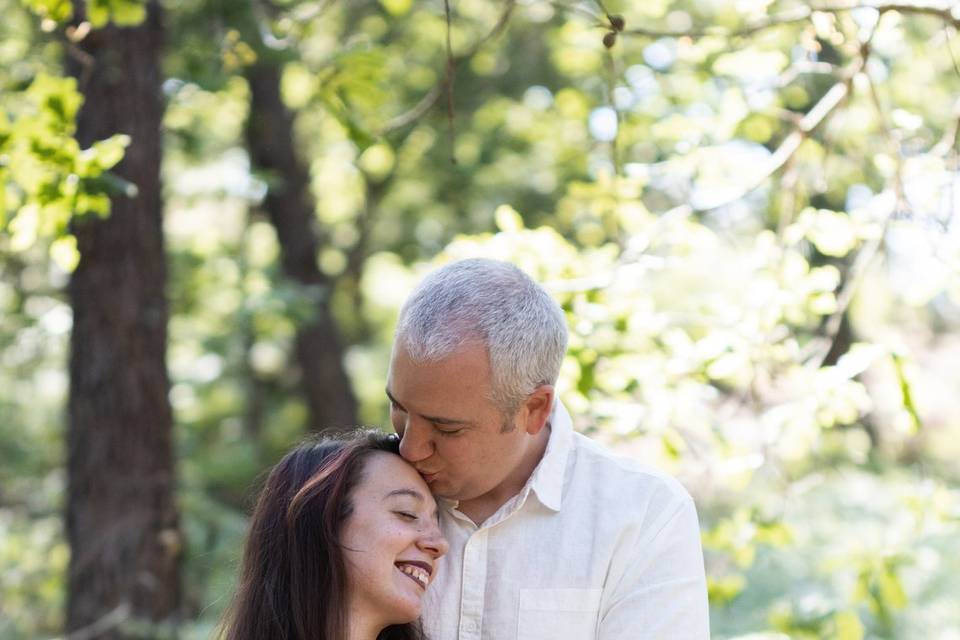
(520, 527)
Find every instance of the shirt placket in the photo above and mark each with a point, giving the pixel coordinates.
(474, 585)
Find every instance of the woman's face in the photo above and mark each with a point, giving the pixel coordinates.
(391, 541)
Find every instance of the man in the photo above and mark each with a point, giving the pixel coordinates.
(550, 536)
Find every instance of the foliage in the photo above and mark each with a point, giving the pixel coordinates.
(747, 210)
(46, 177)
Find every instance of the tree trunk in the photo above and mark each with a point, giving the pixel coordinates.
(269, 132)
(122, 521)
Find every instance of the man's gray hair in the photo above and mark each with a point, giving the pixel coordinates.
(498, 305)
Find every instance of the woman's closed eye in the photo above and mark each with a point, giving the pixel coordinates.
(407, 515)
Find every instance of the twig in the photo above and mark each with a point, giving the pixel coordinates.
(430, 99)
(111, 620)
(411, 116)
(808, 123)
(953, 58)
(800, 14)
(86, 61)
(451, 69)
(951, 136)
(307, 11)
(788, 203)
(611, 86)
(798, 68)
(820, 349)
(262, 13)
(575, 8)
(603, 8)
(632, 255)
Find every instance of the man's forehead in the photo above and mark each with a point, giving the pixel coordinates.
(470, 351)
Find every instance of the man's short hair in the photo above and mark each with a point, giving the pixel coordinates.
(498, 305)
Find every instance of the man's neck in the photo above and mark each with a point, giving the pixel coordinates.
(482, 507)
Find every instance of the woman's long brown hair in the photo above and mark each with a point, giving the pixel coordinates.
(293, 582)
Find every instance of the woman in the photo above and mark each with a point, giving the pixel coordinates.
(343, 543)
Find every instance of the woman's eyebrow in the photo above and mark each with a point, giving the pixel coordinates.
(405, 492)
(413, 494)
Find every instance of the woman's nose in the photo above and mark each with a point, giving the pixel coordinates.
(433, 542)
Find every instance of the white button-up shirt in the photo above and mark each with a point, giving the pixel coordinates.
(594, 547)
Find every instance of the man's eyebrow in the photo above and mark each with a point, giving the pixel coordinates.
(434, 419)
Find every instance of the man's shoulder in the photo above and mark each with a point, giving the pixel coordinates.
(619, 477)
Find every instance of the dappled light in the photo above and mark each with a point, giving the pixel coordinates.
(749, 211)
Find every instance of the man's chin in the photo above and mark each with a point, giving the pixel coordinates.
(440, 488)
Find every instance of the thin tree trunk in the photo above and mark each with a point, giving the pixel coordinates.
(122, 521)
(319, 351)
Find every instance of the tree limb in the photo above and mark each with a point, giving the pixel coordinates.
(430, 99)
(801, 14)
(808, 123)
(866, 254)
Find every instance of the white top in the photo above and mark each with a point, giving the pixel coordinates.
(593, 547)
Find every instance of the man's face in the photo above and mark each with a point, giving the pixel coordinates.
(451, 430)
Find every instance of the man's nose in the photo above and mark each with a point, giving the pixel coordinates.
(415, 444)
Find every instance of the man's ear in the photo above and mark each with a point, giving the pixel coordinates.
(537, 408)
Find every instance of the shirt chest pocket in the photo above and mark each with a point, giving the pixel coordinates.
(549, 614)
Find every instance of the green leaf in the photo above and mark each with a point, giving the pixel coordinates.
(891, 588)
(848, 626)
(377, 161)
(23, 228)
(832, 232)
(722, 591)
(98, 13)
(128, 13)
(58, 10)
(397, 7)
(64, 253)
(356, 132)
(3, 198)
(57, 98)
(96, 203)
(507, 218)
(906, 393)
(106, 153)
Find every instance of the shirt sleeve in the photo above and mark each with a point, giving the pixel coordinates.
(659, 587)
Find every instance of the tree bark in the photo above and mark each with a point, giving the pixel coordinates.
(122, 520)
(288, 204)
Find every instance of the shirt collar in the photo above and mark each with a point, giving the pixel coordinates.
(547, 479)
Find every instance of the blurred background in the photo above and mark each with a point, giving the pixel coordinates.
(211, 211)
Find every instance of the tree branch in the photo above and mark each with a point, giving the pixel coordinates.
(448, 82)
(430, 99)
(801, 14)
(106, 623)
(808, 123)
(866, 254)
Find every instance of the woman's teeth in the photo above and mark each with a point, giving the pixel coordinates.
(417, 573)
